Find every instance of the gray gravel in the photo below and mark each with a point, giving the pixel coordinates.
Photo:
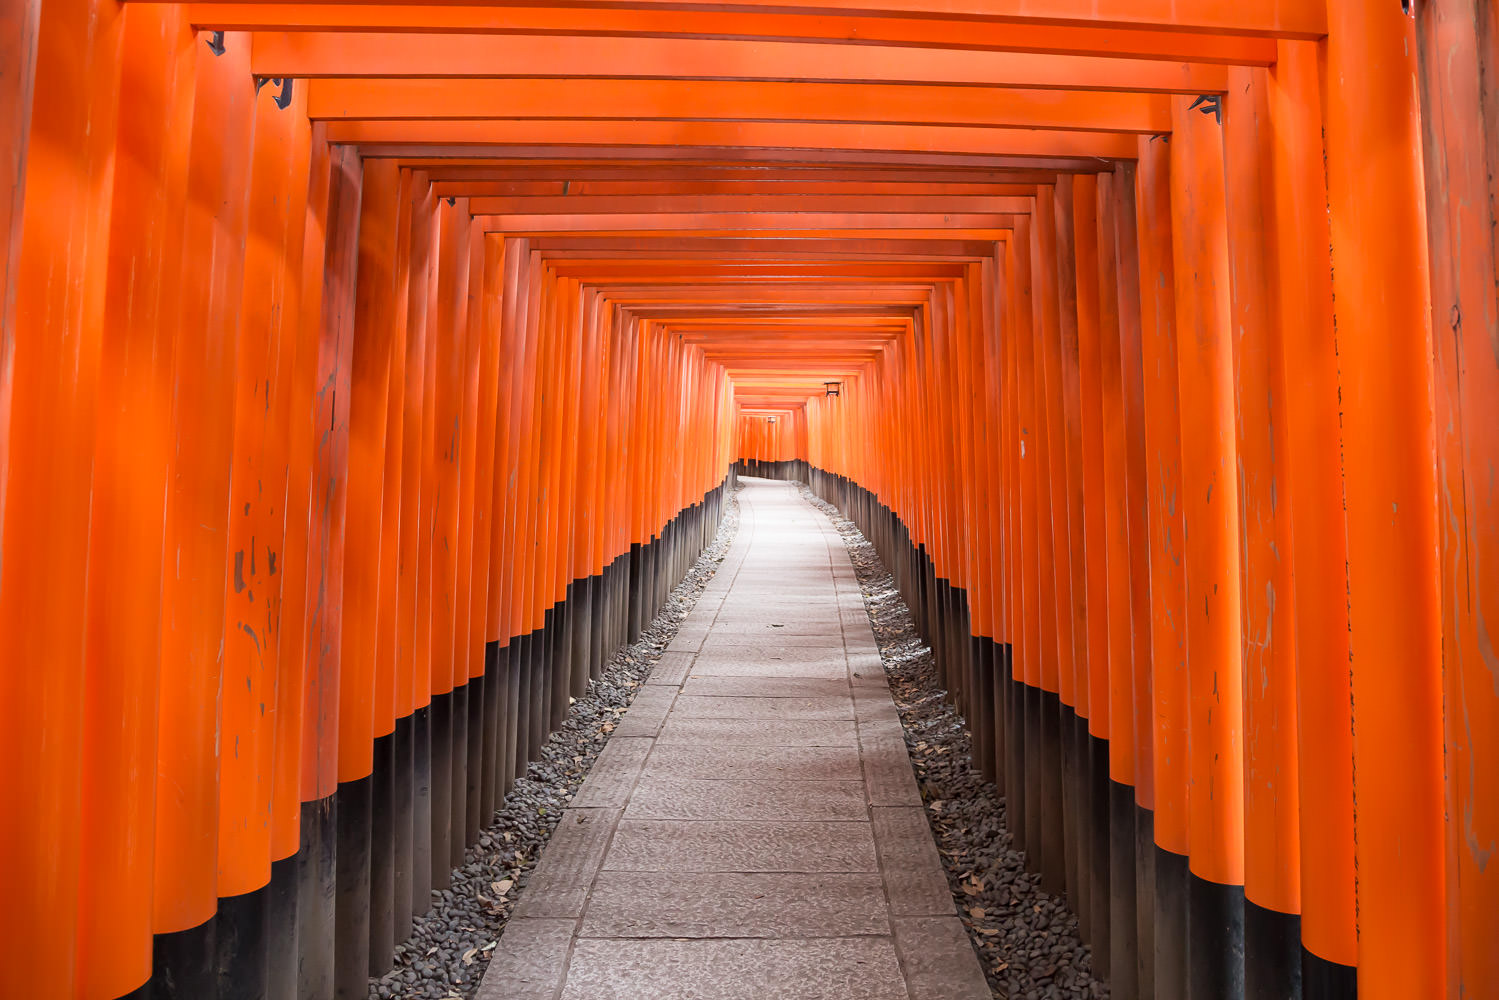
(451, 944)
(1026, 939)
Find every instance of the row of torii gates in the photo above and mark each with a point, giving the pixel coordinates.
(370, 370)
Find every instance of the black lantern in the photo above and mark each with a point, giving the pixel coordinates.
(831, 388)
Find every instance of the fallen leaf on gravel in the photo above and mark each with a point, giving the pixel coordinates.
(1001, 966)
(976, 912)
(607, 727)
(503, 886)
(936, 806)
(468, 956)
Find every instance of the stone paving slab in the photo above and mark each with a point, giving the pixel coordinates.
(648, 711)
(937, 959)
(772, 652)
(612, 777)
(825, 631)
(753, 830)
(749, 732)
(774, 638)
(693, 706)
(656, 797)
(772, 648)
(763, 687)
(688, 644)
(671, 669)
(735, 905)
(719, 666)
(887, 772)
(736, 969)
(530, 962)
(872, 704)
(909, 861)
(559, 886)
(788, 763)
(741, 846)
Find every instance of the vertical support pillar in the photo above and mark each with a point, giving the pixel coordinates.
(1376, 202)
(1204, 361)
(1139, 520)
(1272, 855)
(197, 521)
(1116, 809)
(1168, 643)
(374, 326)
(1329, 942)
(125, 527)
(1045, 837)
(328, 424)
(1458, 60)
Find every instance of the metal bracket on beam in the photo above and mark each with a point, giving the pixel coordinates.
(1211, 104)
(283, 99)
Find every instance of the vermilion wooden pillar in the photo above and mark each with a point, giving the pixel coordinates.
(1457, 62)
(1139, 520)
(125, 527)
(1114, 791)
(1319, 538)
(1044, 796)
(1376, 204)
(359, 854)
(197, 515)
(1272, 957)
(1211, 517)
(1168, 706)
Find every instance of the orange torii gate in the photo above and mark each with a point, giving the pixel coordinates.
(369, 371)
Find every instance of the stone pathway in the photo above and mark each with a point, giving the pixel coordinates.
(753, 828)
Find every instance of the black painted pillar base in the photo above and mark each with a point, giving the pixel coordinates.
(1171, 918)
(1215, 939)
(282, 931)
(1099, 842)
(1124, 938)
(403, 805)
(1272, 953)
(351, 958)
(440, 820)
(316, 888)
(1325, 980)
(421, 811)
(382, 856)
(182, 963)
(242, 943)
(1145, 884)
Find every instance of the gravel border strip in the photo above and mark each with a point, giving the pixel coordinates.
(451, 943)
(1027, 940)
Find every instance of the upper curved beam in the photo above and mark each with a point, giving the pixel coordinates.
(364, 54)
(625, 21)
(1266, 18)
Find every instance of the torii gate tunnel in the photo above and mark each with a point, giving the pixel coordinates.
(370, 371)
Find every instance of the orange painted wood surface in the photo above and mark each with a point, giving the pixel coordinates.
(346, 355)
